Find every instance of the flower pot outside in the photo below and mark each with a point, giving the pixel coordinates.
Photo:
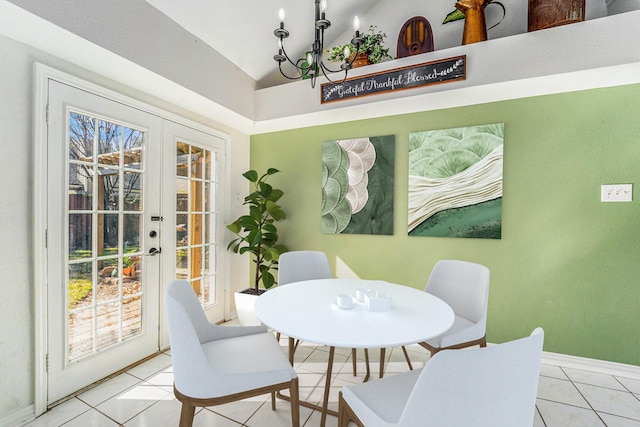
(244, 308)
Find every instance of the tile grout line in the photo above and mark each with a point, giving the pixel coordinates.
(583, 396)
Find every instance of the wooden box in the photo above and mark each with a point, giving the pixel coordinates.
(552, 13)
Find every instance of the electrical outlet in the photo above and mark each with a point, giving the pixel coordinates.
(616, 193)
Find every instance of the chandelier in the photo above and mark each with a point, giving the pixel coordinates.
(311, 66)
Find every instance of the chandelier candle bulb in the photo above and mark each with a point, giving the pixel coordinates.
(281, 16)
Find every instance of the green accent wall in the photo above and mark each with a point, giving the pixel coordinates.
(566, 261)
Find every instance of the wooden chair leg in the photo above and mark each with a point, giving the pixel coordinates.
(406, 356)
(186, 415)
(366, 362)
(294, 392)
(346, 414)
(343, 414)
(353, 362)
(382, 355)
(273, 400)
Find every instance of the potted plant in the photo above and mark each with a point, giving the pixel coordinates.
(129, 264)
(371, 50)
(256, 234)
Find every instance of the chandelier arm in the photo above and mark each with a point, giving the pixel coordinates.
(343, 67)
(300, 69)
(300, 75)
(326, 72)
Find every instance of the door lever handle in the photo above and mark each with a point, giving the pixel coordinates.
(154, 252)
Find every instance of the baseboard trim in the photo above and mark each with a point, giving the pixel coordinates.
(593, 365)
(19, 418)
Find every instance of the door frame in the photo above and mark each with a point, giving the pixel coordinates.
(42, 75)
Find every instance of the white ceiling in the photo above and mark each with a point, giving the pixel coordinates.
(242, 31)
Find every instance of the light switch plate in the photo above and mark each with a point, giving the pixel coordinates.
(616, 193)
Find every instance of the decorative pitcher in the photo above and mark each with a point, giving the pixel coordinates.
(475, 26)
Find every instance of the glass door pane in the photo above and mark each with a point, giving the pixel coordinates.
(195, 183)
(104, 258)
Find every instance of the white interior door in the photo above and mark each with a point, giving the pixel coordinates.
(103, 195)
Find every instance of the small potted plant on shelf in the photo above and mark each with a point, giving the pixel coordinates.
(256, 234)
(372, 50)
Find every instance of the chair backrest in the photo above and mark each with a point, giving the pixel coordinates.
(181, 296)
(464, 286)
(295, 266)
(492, 386)
(186, 319)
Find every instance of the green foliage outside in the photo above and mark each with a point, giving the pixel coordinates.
(78, 289)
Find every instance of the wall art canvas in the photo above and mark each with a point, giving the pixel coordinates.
(455, 182)
(357, 185)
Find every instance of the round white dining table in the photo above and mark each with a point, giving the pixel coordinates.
(307, 311)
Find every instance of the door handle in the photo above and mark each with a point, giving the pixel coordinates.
(154, 252)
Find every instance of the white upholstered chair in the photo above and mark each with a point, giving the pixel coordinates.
(480, 387)
(213, 364)
(296, 266)
(465, 287)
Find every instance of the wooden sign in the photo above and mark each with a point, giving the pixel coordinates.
(429, 73)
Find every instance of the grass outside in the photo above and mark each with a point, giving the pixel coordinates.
(78, 289)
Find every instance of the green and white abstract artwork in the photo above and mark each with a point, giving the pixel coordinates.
(455, 182)
(357, 185)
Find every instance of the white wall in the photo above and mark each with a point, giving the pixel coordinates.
(140, 33)
(16, 334)
(389, 17)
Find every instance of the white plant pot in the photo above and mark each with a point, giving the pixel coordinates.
(244, 309)
(621, 6)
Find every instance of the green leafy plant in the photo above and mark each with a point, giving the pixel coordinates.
(373, 45)
(256, 232)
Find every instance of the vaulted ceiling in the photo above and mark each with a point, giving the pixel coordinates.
(242, 31)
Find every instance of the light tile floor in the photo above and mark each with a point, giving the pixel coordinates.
(143, 396)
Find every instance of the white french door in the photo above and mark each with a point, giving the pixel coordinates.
(194, 182)
(132, 202)
(103, 191)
